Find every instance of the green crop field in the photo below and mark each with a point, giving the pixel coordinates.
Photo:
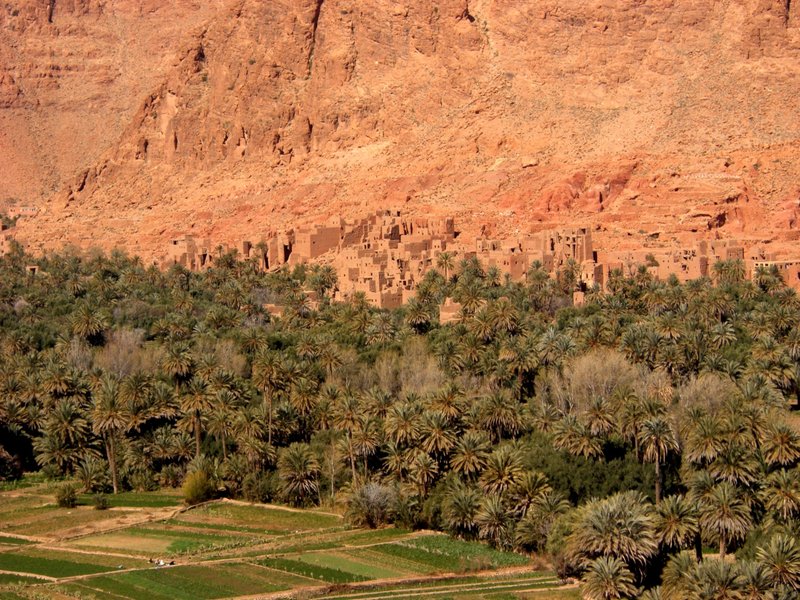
(441, 553)
(163, 539)
(137, 499)
(11, 579)
(8, 540)
(264, 519)
(50, 567)
(227, 549)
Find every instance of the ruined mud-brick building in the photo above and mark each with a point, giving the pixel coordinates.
(385, 255)
(552, 250)
(193, 254)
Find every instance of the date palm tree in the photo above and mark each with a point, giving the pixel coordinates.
(177, 363)
(221, 418)
(299, 472)
(534, 528)
(705, 440)
(499, 416)
(519, 354)
(396, 461)
(347, 418)
(494, 521)
(503, 315)
(600, 418)
(449, 401)
(253, 340)
(88, 323)
(366, 438)
(445, 261)
(658, 440)
(725, 514)
(735, 464)
(503, 470)
(677, 523)
(621, 526)
(269, 376)
(530, 488)
(573, 436)
(781, 561)
(303, 396)
(780, 445)
(196, 401)
(418, 315)
(381, 330)
(403, 424)
(716, 578)
(136, 392)
(436, 436)
(678, 577)
(781, 496)
(470, 453)
(109, 420)
(424, 472)
(330, 357)
(608, 578)
(459, 508)
(482, 325)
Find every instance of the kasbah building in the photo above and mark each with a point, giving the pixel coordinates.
(386, 255)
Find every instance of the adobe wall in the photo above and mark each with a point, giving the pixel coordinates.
(386, 255)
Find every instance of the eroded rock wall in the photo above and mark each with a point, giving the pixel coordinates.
(656, 117)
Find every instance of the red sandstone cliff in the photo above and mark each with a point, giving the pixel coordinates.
(131, 121)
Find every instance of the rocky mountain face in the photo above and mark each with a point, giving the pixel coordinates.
(650, 120)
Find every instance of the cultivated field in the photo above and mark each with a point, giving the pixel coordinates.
(228, 549)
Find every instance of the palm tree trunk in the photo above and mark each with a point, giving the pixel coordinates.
(111, 452)
(224, 446)
(333, 471)
(698, 547)
(658, 481)
(352, 456)
(197, 434)
(722, 546)
(268, 398)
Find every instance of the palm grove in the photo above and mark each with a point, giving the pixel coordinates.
(623, 439)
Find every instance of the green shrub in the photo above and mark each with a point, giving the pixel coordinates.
(170, 476)
(93, 474)
(51, 472)
(67, 496)
(100, 501)
(142, 481)
(197, 488)
(10, 466)
(259, 487)
(371, 505)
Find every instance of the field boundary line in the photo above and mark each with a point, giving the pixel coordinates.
(18, 536)
(274, 570)
(48, 546)
(148, 518)
(276, 507)
(31, 575)
(324, 592)
(445, 587)
(99, 590)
